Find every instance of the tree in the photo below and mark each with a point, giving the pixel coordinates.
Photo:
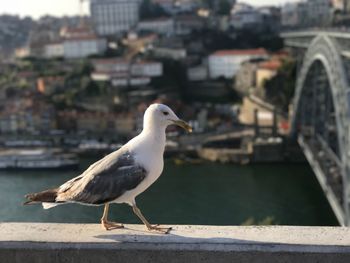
(224, 8)
(209, 3)
(279, 90)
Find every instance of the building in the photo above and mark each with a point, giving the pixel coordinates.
(294, 15)
(125, 124)
(271, 16)
(138, 68)
(49, 85)
(54, 49)
(319, 12)
(250, 105)
(75, 43)
(8, 123)
(265, 71)
(170, 47)
(110, 65)
(186, 24)
(175, 7)
(147, 68)
(82, 42)
(37, 40)
(198, 73)
(172, 53)
(27, 115)
(226, 63)
(244, 16)
(123, 80)
(121, 73)
(343, 5)
(167, 5)
(94, 122)
(113, 17)
(245, 79)
(267, 18)
(186, 6)
(162, 26)
(311, 13)
(22, 52)
(67, 120)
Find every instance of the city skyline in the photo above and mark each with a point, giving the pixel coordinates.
(69, 7)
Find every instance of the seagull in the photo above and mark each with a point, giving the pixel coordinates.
(122, 175)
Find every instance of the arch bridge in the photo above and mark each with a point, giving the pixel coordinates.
(321, 111)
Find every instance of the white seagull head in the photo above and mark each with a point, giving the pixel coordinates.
(160, 115)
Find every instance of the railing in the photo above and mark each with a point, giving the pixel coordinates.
(315, 31)
(39, 242)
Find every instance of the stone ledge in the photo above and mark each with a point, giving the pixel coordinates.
(42, 242)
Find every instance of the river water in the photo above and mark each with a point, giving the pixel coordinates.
(207, 193)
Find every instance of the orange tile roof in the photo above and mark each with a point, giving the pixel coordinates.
(110, 61)
(271, 65)
(239, 52)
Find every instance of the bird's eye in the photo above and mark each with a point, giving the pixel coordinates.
(165, 113)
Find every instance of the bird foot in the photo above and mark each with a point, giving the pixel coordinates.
(157, 228)
(111, 225)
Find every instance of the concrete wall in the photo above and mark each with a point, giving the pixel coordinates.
(71, 243)
(246, 116)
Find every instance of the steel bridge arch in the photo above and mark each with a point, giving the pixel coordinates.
(325, 50)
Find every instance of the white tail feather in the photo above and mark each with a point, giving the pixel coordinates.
(49, 205)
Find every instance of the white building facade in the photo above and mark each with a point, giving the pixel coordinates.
(226, 63)
(147, 68)
(172, 53)
(122, 81)
(80, 48)
(199, 73)
(111, 17)
(82, 42)
(117, 70)
(54, 50)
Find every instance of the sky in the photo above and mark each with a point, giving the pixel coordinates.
(37, 8)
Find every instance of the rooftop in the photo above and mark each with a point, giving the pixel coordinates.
(240, 52)
(270, 65)
(122, 61)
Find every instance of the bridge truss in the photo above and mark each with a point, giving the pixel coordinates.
(321, 116)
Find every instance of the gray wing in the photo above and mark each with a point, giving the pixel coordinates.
(104, 181)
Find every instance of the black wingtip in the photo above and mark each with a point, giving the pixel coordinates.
(29, 197)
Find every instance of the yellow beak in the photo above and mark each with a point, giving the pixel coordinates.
(183, 125)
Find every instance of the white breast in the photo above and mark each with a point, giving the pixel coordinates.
(149, 154)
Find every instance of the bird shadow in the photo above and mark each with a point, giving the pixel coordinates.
(148, 238)
(144, 236)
